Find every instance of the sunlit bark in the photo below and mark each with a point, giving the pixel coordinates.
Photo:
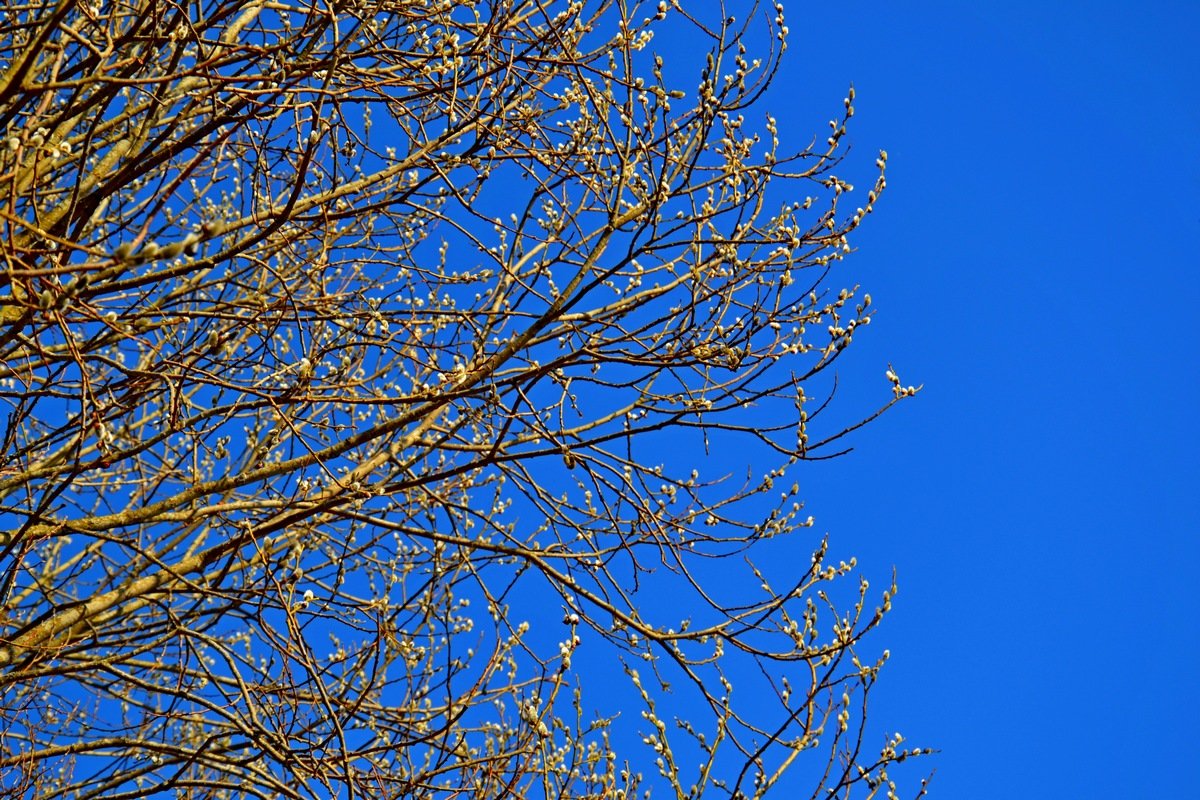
(338, 340)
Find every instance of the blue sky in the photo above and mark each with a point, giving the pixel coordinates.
(1034, 265)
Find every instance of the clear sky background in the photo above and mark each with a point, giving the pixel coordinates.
(1034, 263)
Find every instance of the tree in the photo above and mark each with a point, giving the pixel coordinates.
(339, 339)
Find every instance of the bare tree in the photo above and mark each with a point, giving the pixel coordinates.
(360, 359)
